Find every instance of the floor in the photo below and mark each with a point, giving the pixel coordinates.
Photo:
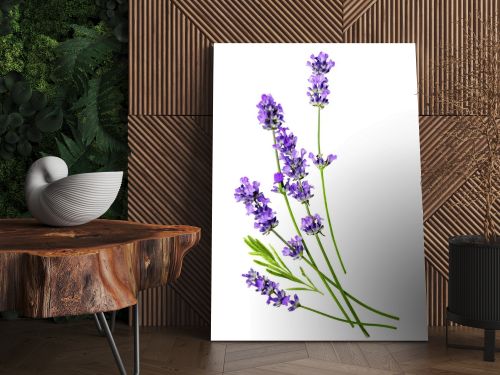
(43, 348)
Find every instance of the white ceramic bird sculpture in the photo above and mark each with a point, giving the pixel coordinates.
(56, 199)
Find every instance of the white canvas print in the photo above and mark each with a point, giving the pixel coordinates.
(317, 211)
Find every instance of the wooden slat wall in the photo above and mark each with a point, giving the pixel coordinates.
(170, 131)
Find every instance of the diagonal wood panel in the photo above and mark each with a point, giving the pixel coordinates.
(431, 25)
(170, 163)
(171, 75)
(171, 71)
(353, 9)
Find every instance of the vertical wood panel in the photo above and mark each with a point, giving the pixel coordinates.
(171, 106)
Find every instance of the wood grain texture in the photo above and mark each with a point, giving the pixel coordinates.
(171, 99)
(180, 151)
(99, 266)
(40, 347)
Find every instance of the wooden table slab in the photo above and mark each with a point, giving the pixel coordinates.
(96, 267)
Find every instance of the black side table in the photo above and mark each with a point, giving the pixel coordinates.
(489, 335)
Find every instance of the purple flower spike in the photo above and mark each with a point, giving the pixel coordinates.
(247, 192)
(312, 224)
(294, 164)
(285, 142)
(270, 114)
(301, 191)
(295, 248)
(271, 289)
(256, 204)
(318, 91)
(320, 162)
(294, 304)
(278, 177)
(320, 64)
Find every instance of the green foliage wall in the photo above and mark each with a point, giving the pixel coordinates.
(63, 91)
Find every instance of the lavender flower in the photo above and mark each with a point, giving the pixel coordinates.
(265, 219)
(312, 224)
(285, 142)
(301, 191)
(294, 164)
(318, 91)
(270, 113)
(278, 178)
(279, 185)
(257, 204)
(295, 248)
(294, 304)
(321, 163)
(271, 289)
(320, 64)
(247, 192)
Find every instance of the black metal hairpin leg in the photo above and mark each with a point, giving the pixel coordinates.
(103, 324)
(488, 348)
(113, 323)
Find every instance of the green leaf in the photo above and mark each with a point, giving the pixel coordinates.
(24, 148)
(263, 264)
(299, 288)
(11, 137)
(82, 55)
(14, 120)
(21, 92)
(38, 100)
(27, 109)
(70, 150)
(33, 134)
(98, 114)
(11, 78)
(3, 124)
(49, 119)
(278, 274)
(9, 147)
(3, 88)
(120, 31)
(6, 155)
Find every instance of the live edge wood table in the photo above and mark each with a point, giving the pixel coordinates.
(89, 269)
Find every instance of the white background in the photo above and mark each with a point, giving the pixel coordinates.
(373, 187)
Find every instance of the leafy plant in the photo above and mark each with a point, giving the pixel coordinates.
(6, 7)
(74, 60)
(24, 116)
(81, 56)
(115, 13)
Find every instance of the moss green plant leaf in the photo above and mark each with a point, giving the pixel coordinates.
(49, 119)
(11, 137)
(11, 78)
(21, 92)
(38, 100)
(27, 109)
(14, 120)
(24, 148)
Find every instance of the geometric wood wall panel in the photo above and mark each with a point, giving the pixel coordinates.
(170, 162)
(170, 110)
(430, 24)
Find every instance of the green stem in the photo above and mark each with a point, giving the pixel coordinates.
(359, 302)
(319, 131)
(330, 221)
(292, 216)
(334, 275)
(324, 197)
(345, 321)
(320, 274)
